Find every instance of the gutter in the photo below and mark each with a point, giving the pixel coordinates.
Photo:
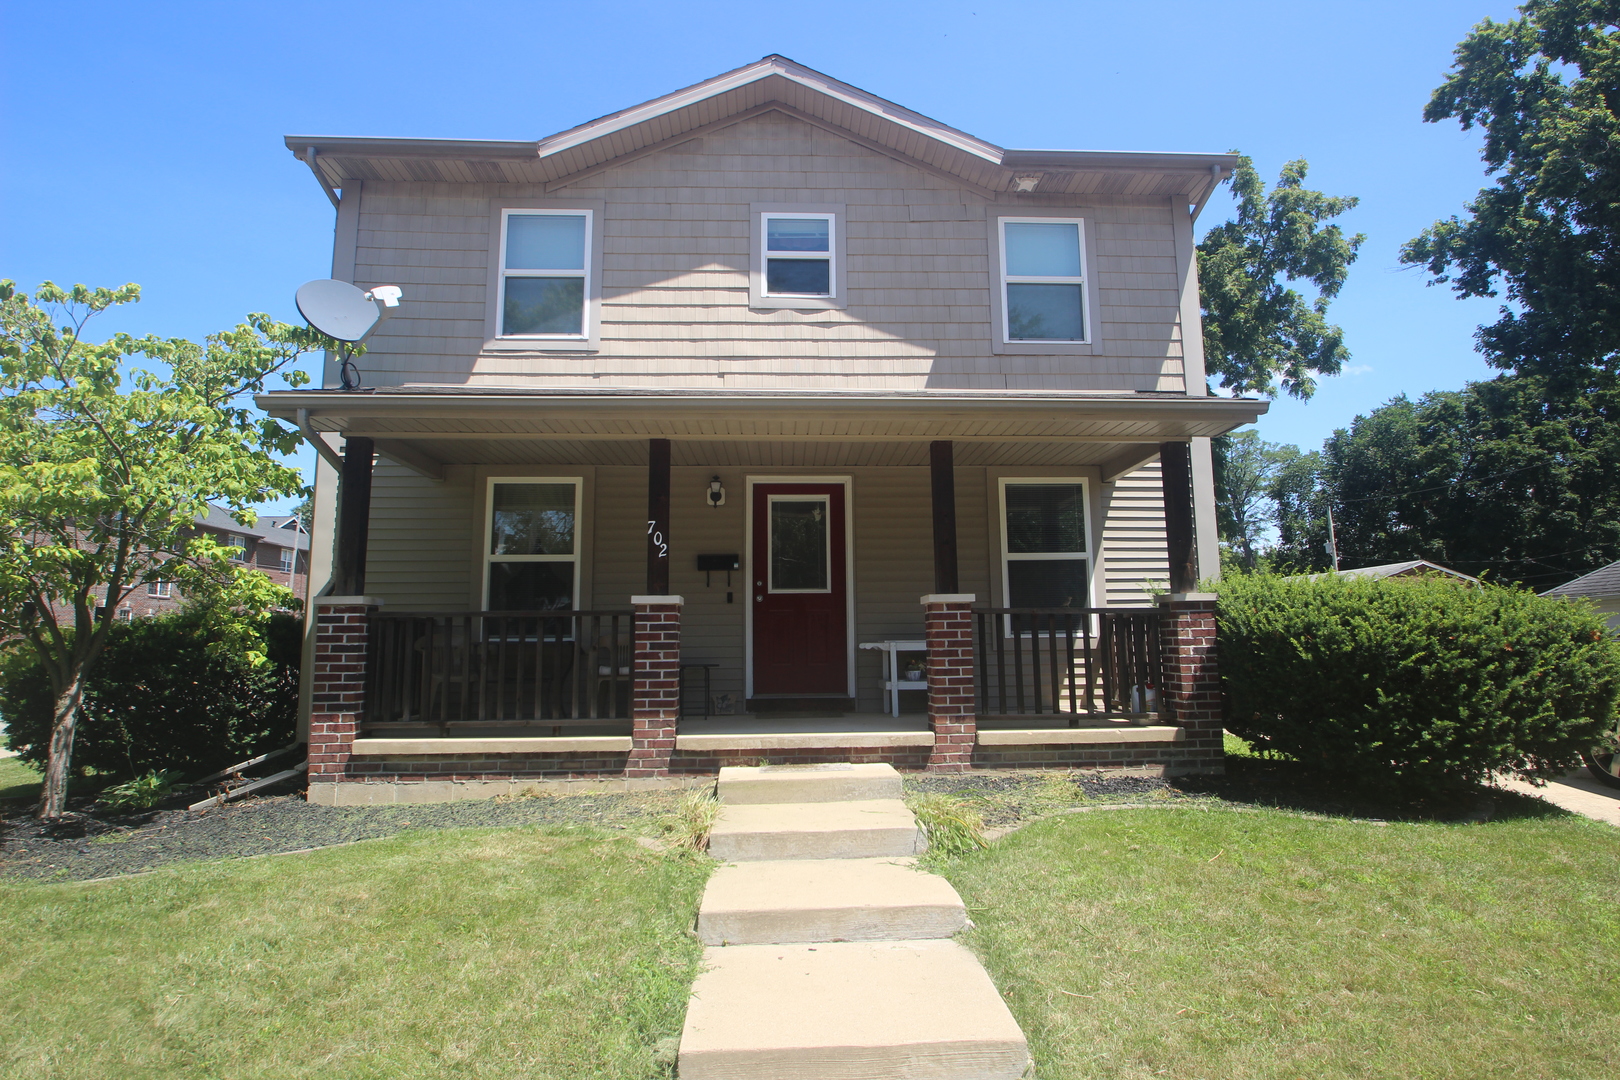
(330, 455)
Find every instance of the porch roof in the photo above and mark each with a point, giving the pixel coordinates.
(426, 429)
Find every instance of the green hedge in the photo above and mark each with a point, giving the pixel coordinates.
(1414, 683)
(157, 700)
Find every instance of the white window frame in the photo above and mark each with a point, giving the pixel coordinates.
(1091, 299)
(286, 560)
(240, 543)
(495, 290)
(160, 589)
(1024, 279)
(1090, 554)
(838, 243)
(770, 565)
(584, 274)
(830, 256)
(490, 557)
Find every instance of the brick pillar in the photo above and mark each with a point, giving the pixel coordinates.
(655, 700)
(952, 710)
(342, 629)
(1192, 685)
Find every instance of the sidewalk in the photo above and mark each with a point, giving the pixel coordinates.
(1578, 792)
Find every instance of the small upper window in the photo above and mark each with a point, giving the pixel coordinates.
(798, 254)
(545, 263)
(240, 543)
(160, 589)
(285, 560)
(1043, 278)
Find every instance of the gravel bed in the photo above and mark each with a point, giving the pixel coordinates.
(85, 845)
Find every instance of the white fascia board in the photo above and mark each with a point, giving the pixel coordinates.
(871, 103)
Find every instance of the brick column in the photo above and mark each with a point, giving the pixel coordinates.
(655, 699)
(952, 710)
(342, 630)
(1192, 685)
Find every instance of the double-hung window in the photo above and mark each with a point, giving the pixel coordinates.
(1043, 281)
(545, 273)
(798, 254)
(240, 543)
(1045, 552)
(532, 550)
(284, 561)
(160, 589)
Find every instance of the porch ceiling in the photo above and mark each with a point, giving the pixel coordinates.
(494, 426)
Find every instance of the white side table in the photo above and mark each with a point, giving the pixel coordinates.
(892, 683)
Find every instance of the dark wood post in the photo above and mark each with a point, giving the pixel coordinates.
(353, 517)
(942, 471)
(1175, 472)
(658, 517)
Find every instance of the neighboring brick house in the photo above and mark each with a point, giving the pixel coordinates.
(276, 545)
(742, 401)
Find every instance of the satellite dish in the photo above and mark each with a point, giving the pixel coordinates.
(338, 310)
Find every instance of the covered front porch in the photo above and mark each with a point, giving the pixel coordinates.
(657, 659)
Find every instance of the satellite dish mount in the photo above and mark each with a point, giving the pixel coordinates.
(346, 313)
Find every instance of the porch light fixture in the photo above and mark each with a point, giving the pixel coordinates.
(716, 494)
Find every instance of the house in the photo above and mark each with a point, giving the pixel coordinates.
(1411, 568)
(1601, 586)
(766, 421)
(277, 547)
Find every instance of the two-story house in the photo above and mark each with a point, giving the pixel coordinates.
(765, 421)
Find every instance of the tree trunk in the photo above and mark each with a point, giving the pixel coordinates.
(53, 794)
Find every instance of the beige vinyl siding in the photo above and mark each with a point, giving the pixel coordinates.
(1135, 556)
(420, 536)
(675, 277)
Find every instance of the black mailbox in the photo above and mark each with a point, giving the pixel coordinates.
(719, 562)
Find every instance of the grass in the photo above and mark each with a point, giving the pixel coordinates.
(1262, 944)
(18, 780)
(471, 953)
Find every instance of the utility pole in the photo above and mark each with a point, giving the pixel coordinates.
(1333, 541)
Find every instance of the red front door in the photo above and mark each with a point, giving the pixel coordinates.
(801, 641)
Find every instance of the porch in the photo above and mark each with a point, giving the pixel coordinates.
(684, 678)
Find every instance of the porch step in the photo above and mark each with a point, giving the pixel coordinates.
(810, 900)
(832, 782)
(863, 829)
(848, 1011)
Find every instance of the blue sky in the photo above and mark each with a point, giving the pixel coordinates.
(143, 142)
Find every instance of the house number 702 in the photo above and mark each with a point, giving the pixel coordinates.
(658, 540)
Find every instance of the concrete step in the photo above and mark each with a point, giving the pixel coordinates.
(831, 782)
(813, 900)
(867, 829)
(922, 1010)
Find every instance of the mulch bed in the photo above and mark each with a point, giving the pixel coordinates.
(87, 844)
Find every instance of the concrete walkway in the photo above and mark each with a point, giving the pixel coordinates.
(1578, 792)
(829, 954)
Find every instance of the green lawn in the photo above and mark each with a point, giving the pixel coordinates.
(1232, 945)
(471, 953)
(18, 780)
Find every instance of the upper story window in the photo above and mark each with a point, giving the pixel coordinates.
(798, 254)
(545, 267)
(284, 559)
(240, 544)
(160, 589)
(532, 551)
(1043, 280)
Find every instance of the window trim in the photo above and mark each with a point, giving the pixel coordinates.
(830, 256)
(590, 340)
(240, 543)
(286, 560)
(489, 557)
(997, 221)
(838, 262)
(770, 565)
(160, 589)
(1005, 557)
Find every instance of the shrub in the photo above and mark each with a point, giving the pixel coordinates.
(951, 825)
(1414, 683)
(141, 793)
(159, 699)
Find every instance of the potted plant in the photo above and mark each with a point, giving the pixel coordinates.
(916, 670)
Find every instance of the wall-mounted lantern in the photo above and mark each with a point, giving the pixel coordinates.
(716, 493)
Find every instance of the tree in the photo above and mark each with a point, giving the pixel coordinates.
(100, 483)
(1258, 330)
(1301, 509)
(1545, 91)
(1245, 468)
(1501, 478)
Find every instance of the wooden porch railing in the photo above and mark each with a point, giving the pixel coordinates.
(1090, 663)
(500, 667)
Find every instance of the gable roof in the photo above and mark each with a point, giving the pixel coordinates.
(265, 531)
(1409, 568)
(774, 83)
(1602, 583)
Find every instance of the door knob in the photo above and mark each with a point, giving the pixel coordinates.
(759, 599)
